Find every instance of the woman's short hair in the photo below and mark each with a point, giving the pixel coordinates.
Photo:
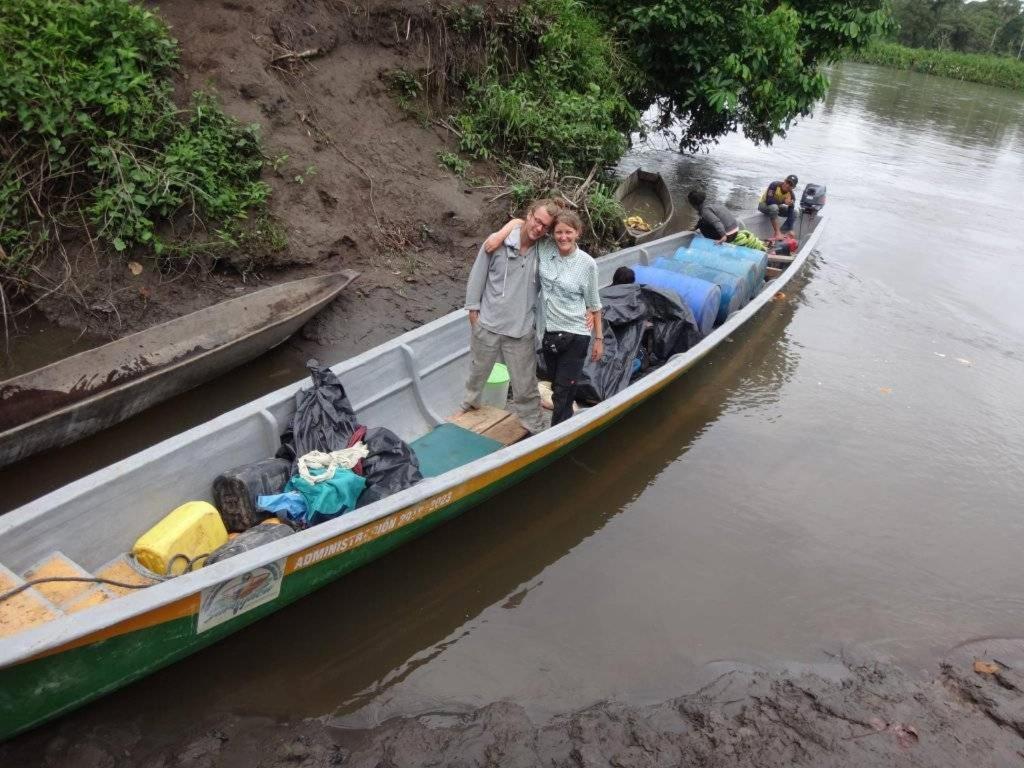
(696, 197)
(623, 276)
(570, 218)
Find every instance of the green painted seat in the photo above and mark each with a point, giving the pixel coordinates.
(449, 446)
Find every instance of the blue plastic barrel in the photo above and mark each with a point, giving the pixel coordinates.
(712, 246)
(727, 258)
(735, 290)
(702, 297)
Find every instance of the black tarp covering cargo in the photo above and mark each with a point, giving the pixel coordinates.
(324, 419)
(390, 467)
(673, 328)
(623, 313)
(235, 491)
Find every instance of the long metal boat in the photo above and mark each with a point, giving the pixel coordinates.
(81, 646)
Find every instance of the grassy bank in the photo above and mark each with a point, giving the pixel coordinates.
(93, 148)
(972, 67)
(538, 89)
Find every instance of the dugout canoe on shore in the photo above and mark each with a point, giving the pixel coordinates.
(82, 394)
(645, 194)
(60, 651)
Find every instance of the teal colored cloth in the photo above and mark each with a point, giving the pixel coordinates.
(329, 498)
(448, 446)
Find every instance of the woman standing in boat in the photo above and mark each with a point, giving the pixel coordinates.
(571, 304)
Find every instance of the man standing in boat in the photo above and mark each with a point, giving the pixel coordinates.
(501, 298)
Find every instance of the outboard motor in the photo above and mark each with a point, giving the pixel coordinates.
(813, 198)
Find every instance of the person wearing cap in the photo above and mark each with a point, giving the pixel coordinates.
(779, 200)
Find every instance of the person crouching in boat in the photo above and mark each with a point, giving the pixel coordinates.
(778, 200)
(572, 308)
(715, 222)
(501, 298)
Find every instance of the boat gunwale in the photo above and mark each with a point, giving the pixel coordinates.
(66, 629)
(346, 277)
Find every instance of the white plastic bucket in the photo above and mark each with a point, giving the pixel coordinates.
(495, 392)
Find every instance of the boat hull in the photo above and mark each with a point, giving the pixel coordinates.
(46, 687)
(646, 193)
(112, 406)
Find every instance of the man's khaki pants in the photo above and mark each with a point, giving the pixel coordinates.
(520, 357)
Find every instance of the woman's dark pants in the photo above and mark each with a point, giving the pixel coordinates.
(564, 355)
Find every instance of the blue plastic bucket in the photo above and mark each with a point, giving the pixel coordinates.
(735, 289)
(702, 297)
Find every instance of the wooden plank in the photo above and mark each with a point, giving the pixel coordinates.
(507, 431)
(60, 593)
(25, 610)
(780, 259)
(94, 597)
(119, 570)
(772, 272)
(479, 420)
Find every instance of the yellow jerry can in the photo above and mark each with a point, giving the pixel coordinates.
(193, 529)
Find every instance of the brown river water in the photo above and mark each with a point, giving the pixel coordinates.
(846, 472)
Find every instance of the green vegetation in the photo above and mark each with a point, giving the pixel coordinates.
(715, 66)
(994, 27)
(453, 163)
(92, 145)
(567, 108)
(976, 68)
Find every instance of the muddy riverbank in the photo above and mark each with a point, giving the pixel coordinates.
(356, 182)
(851, 712)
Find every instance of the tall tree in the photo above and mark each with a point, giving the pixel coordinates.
(755, 65)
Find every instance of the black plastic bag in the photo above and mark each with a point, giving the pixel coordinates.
(324, 419)
(264, 533)
(391, 465)
(235, 491)
(673, 328)
(623, 313)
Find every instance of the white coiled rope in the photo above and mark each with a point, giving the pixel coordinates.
(346, 458)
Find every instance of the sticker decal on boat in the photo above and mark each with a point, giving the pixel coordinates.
(222, 602)
(369, 532)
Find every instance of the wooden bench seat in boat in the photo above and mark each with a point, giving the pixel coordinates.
(49, 600)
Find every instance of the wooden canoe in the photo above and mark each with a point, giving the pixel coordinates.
(82, 394)
(67, 650)
(645, 194)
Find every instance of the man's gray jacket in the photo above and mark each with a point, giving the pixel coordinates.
(503, 286)
(715, 221)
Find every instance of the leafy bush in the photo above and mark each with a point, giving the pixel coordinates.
(973, 67)
(90, 136)
(567, 107)
(452, 162)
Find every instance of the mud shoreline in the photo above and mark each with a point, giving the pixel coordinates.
(850, 712)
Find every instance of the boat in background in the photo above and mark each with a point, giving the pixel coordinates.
(60, 649)
(645, 194)
(95, 389)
